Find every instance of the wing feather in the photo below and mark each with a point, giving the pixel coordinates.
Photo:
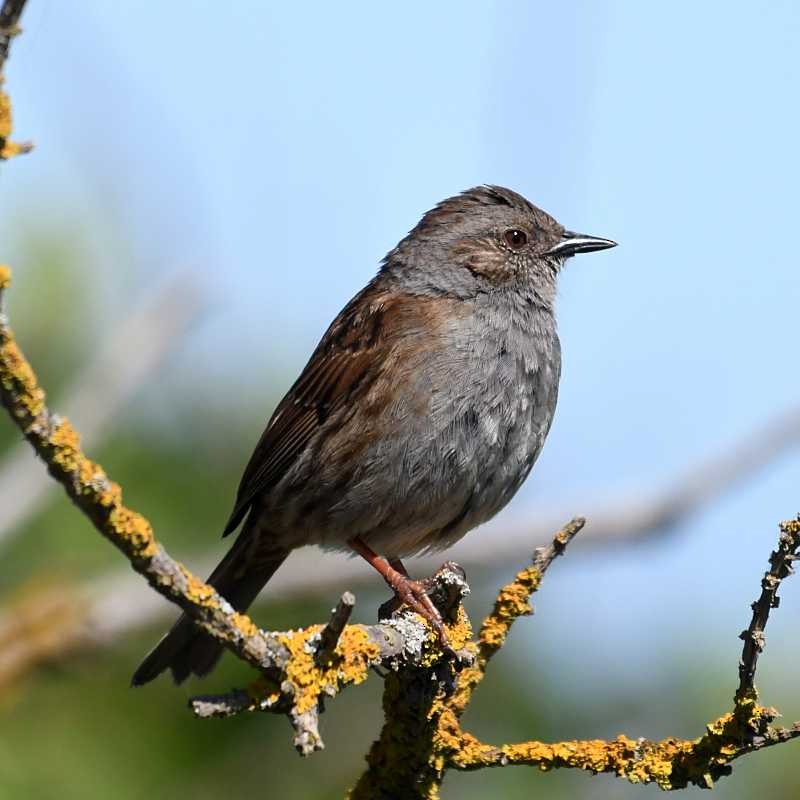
(347, 360)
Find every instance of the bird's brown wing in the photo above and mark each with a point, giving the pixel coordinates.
(349, 360)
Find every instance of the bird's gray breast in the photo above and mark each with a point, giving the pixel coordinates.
(491, 388)
(506, 390)
(463, 429)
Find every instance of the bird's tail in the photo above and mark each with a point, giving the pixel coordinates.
(188, 650)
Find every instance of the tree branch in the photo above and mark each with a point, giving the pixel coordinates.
(9, 28)
(287, 658)
(513, 602)
(780, 567)
(130, 355)
(671, 763)
(329, 636)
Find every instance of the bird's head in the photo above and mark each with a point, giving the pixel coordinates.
(485, 239)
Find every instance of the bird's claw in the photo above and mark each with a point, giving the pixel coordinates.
(414, 594)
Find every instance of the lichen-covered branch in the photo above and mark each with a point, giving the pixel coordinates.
(513, 602)
(127, 359)
(670, 763)
(10, 13)
(780, 567)
(58, 444)
(323, 659)
(296, 678)
(422, 738)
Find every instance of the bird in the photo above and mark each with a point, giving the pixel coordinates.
(418, 416)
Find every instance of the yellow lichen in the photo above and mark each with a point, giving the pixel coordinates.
(460, 631)
(67, 447)
(111, 493)
(459, 635)
(671, 763)
(17, 376)
(513, 601)
(791, 526)
(8, 149)
(6, 123)
(355, 653)
(131, 530)
(244, 624)
(197, 591)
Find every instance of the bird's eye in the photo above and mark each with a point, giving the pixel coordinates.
(516, 238)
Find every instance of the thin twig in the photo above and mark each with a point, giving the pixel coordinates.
(234, 702)
(780, 567)
(9, 27)
(513, 601)
(330, 634)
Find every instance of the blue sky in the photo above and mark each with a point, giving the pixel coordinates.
(281, 149)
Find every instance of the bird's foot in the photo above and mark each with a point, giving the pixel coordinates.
(415, 595)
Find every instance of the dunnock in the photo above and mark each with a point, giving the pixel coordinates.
(418, 416)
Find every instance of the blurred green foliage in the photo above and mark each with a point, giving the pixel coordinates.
(76, 730)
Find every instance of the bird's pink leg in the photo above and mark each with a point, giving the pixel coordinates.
(396, 563)
(410, 592)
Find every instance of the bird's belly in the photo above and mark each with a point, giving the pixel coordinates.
(430, 478)
(503, 457)
(460, 480)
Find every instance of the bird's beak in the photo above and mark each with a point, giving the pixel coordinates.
(572, 243)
